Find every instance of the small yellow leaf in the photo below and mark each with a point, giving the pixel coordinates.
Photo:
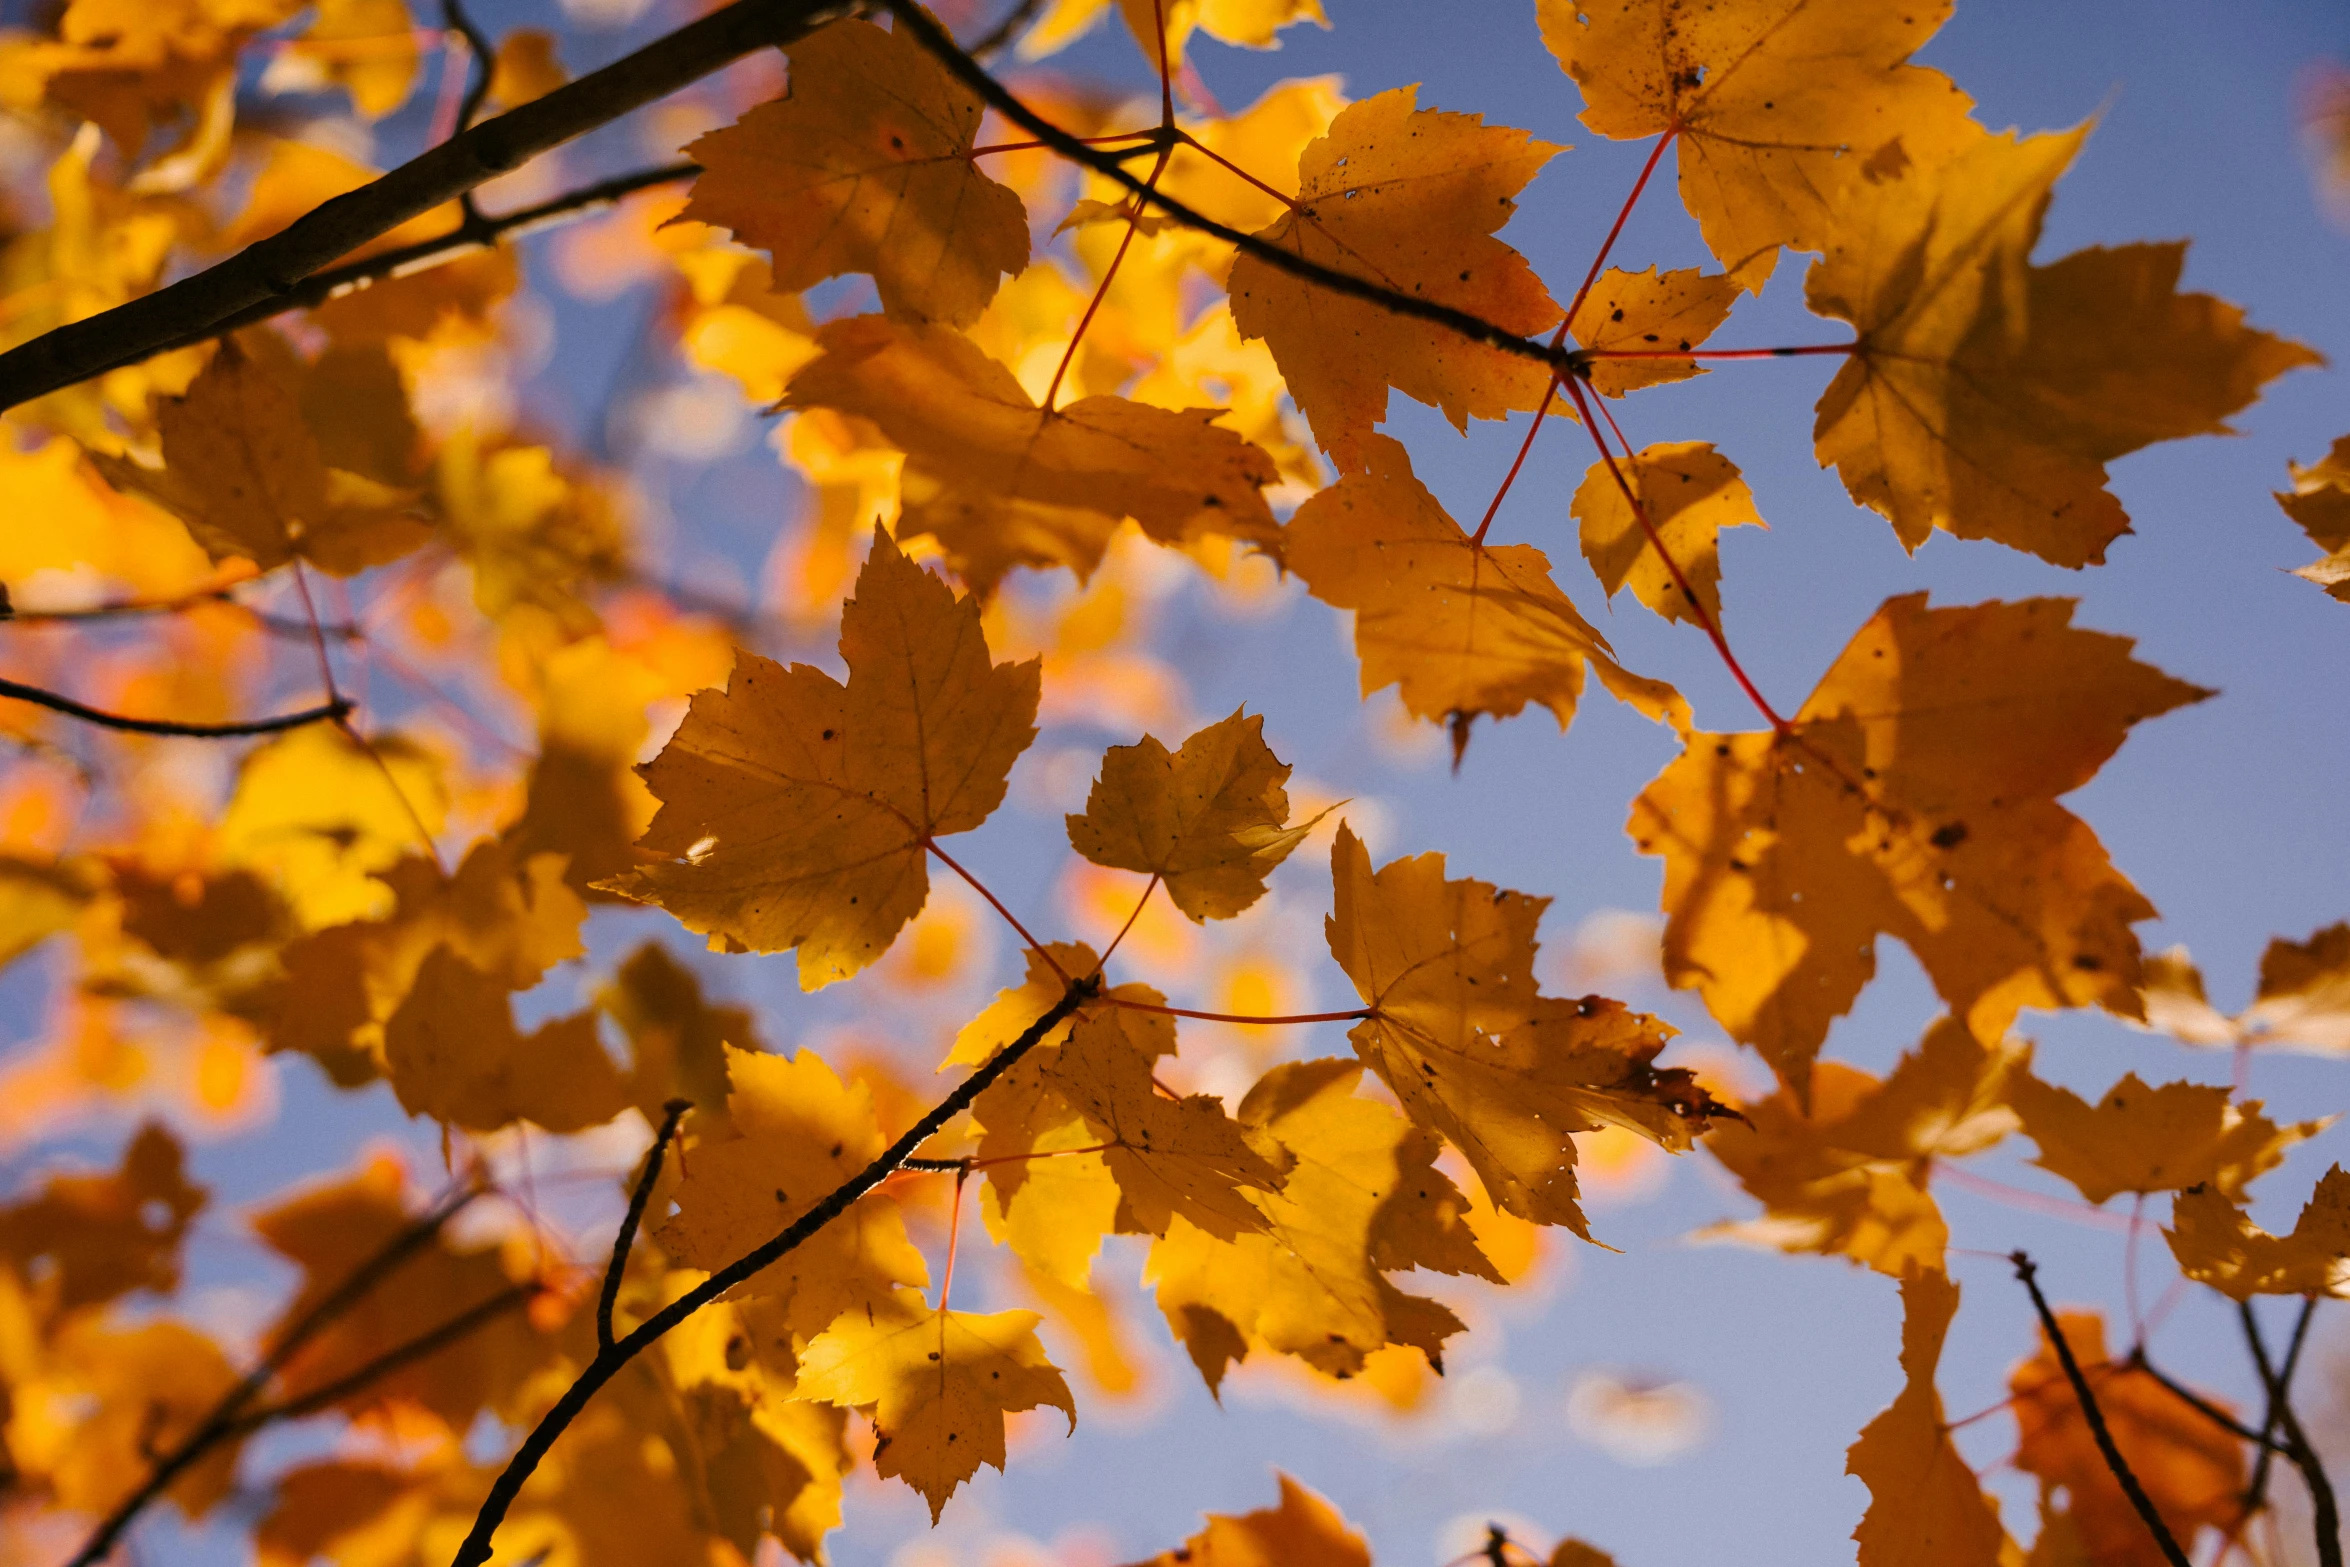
(1649, 313)
(1926, 1508)
(1688, 492)
(2142, 1139)
(2217, 1245)
(939, 1384)
(1302, 1531)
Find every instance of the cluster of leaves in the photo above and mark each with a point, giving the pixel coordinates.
(1039, 389)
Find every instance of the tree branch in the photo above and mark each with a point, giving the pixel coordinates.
(223, 1423)
(918, 25)
(2201, 1405)
(385, 1364)
(476, 1547)
(2257, 1491)
(2026, 1271)
(331, 712)
(273, 267)
(637, 1199)
(2325, 1515)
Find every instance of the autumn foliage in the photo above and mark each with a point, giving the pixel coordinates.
(354, 721)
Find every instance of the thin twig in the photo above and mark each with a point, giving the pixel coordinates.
(2325, 1516)
(2025, 1270)
(919, 26)
(476, 1547)
(333, 712)
(223, 1423)
(676, 1109)
(477, 233)
(391, 1360)
(269, 268)
(2257, 1491)
(2201, 1405)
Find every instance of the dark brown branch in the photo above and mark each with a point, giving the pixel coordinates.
(2026, 1271)
(476, 1547)
(475, 233)
(273, 267)
(2256, 1492)
(2325, 1515)
(481, 67)
(331, 712)
(223, 1423)
(391, 1360)
(635, 1216)
(1475, 328)
(2201, 1405)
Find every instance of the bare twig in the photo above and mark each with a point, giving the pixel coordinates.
(331, 712)
(224, 1423)
(2201, 1405)
(918, 25)
(402, 1354)
(610, 1296)
(2026, 1271)
(1015, 23)
(2325, 1515)
(476, 1547)
(274, 266)
(2256, 1492)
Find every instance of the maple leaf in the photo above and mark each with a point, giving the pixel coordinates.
(1458, 1032)
(318, 815)
(796, 811)
(1984, 395)
(939, 1384)
(1360, 1198)
(866, 167)
(1766, 101)
(109, 1400)
(2217, 1245)
(1688, 492)
(246, 473)
(2142, 1139)
(2191, 1468)
(1850, 1175)
(2320, 502)
(1926, 1509)
(453, 1052)
(1000, 482)
(676, 1038)
(1649, 312)
(533, 534)
(88, 1239)
(1301, 1530)
(798, 1132)
(332, 1230)
(2303, 1000)
(1407, 198)
(1210, 820)
(1913, 795)
(1460, 628)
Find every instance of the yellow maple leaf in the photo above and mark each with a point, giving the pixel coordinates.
(1850, 1175)
(318, 815)
(2217, 1245)
(110, 1400)
(1926, 1508)
(1209, 820)
(2304, 997)
(939, 1384)
(866, 167)
(1301, 1530)
(1000, 482)
(1914, 795)
(1408, 198)
(1649, 312)
(86, 1239)
(796, 811)
(453, 1052)
(1360, 1198)
(2320, 502)
(797, 1132)
(1985, 395)
(243, 468)
(676, 1037)
(1459, 1033)
(1688, 492)
(1460, 628)
(2143, 1139)
(2191, 1468)
(1765, 100)
(366, 47)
